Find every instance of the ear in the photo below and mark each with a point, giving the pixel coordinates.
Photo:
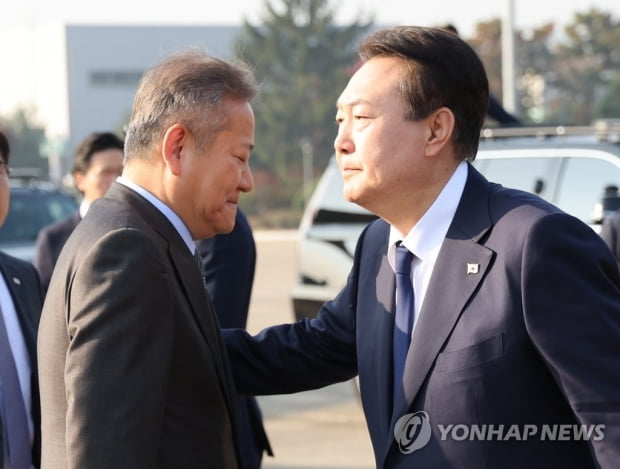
(78, 179)
(173, 145)
(440, 128)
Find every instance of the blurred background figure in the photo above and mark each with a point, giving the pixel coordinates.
(496, 111)
(21, 300)
(610, 232)
(98, 161)
(229, 264)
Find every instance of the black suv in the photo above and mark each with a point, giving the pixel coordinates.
(32, 206)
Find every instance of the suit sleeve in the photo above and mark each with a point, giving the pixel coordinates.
(308, 354)
(117, 365)
(43, 258)
(571, 298)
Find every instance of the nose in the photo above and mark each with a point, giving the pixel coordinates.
(247, 180)
(343, 144)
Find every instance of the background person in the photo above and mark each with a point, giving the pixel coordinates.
(495, 110)
(97, 162)
(21, 300)
(133, 371)
(507, 310)
(610, 232)
(229, 265)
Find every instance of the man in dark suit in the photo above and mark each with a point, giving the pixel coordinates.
(21, 300)
(97, 162)
(133, 371)
(229, 265)
(499, 347)
(610, 232)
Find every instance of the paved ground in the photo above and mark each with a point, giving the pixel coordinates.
(322, 429)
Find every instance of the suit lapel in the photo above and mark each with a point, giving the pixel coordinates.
(375, 363)
(191, 284)
(461, 265)
(206, 319)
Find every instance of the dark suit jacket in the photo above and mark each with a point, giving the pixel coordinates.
(23, 284)
(230, 261)
(520, 326)
(132, 368)
(49, 242)
(497, 112)
(610, 232)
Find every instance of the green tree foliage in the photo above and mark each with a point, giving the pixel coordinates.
(26, 138)
(302, 61)
(608, 106)
(586, 65)
(487, 43)
(568, 77)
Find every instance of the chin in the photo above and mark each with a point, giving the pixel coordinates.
(225, 226)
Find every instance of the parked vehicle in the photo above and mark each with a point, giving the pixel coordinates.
(32, 206)
(575, 168)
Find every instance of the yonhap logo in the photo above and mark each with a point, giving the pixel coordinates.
(412, 432)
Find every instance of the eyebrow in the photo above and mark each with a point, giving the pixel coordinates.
(355, 102)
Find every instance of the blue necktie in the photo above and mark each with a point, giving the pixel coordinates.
(16, 435)
(403, 320)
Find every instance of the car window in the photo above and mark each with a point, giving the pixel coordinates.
(29, 211)
(583, 184)
(535, 174)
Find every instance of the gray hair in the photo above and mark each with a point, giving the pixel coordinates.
(186, 88)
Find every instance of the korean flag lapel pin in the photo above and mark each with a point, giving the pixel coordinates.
(472, 268)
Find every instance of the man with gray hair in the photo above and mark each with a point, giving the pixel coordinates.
(133, 372)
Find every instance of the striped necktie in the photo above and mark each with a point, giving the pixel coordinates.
(403, 320)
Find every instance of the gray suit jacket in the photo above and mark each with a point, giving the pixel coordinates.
(132, 369)
(23, 284)
(519, 331)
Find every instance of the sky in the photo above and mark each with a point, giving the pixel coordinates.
(27, 25)
(463, 14)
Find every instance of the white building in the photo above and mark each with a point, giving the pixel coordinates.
(82, 78)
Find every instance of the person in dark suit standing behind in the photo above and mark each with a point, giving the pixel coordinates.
(495, 110)
(610, 232)
(97, 162)
(484, 322)
(229, 265)
(133, 371)
(21, 300)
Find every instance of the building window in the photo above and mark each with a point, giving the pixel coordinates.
(115, 78)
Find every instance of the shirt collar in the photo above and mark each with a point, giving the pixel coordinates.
(426, 237)
(84, 206)
(164, 209)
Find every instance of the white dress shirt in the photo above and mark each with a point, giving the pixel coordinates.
(426, 237)
(164, 209)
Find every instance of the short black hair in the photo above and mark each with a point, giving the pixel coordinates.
(5, 149)
(95, 142)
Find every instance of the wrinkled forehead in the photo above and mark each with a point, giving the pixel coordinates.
(374, 83)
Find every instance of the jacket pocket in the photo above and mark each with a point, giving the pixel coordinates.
(474, 355)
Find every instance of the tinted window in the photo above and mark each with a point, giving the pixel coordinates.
(583, 184)
(29, 211)
(535, 175)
